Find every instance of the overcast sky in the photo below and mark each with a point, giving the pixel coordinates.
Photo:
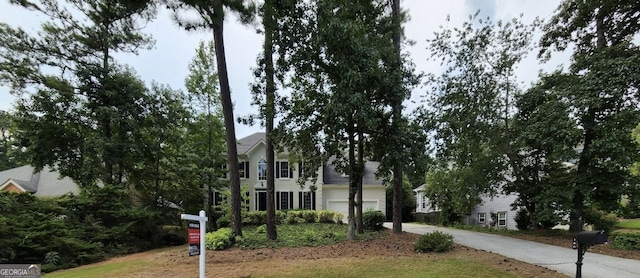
(167, 62)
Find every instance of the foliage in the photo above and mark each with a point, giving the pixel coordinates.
(474, 101)
(302, 234)
(256, 218)
(73, 230)
(10, 155)
(221, 239)
(373, 220)
(301, 216)
(522, 220)
(327, 216)
(434, 242)
(601, 220)
(603, 103)
(625, 241)
(82, 104)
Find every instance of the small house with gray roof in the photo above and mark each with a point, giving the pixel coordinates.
(44, 183)
(331, 192)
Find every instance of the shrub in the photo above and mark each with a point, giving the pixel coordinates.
(522, 220)
(223, 221)
(626, 241)
(325, 216)
(219, 240)
(254, 218)
(601, 220)
(373, 220)
(436, 241)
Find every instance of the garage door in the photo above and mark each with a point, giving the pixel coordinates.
(342, 206)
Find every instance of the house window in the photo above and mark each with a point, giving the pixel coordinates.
(243, 168)
(502, 219)
(300, 169)
(482, 217)
(282, 170)
(284, 200)
(307, 200)
(262, 170)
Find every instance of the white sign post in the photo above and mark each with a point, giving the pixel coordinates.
(203, 224)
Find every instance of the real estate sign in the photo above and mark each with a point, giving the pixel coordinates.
(194, 238)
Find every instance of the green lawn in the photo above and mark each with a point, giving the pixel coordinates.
(633, 224)
(107, 269)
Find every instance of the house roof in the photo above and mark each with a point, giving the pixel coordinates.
(246, 144)
(419, 188)
(331, 176)
(46, 183)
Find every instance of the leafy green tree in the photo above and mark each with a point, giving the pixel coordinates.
(340, 63)
(78, 111)
(11, 156)
(210, 16)
(202, 85)
(601, 86)
(474, 103)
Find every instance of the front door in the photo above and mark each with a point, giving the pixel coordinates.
(261, 200)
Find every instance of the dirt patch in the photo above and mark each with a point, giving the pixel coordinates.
(237, 262)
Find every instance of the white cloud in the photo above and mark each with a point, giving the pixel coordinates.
(167, 62)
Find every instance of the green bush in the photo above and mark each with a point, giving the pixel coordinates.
(254, 218)
(625, 241)
(601, 220)
(219, 240)
(436, 241)
(223, 221)
(372, 220)
(522, 220)
(328, 216)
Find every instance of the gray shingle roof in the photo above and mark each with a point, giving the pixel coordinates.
(245, 144)
(46, 183)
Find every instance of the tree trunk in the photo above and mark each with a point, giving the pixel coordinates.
(272, 233)
(359, 224)
(397, 114)
(353, 183)
(227, 112)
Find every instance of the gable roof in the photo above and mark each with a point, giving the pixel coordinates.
(46, 183)
(246, 144)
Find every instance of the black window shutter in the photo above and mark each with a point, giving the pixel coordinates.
(300, 200)
(278, 200)
(277, 169)
(299, 169)
(290, 172)
(313, 200)
(255, 201)
(246, 169)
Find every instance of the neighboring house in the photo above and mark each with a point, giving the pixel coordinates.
(492, 212)
(46, 183)
(331, 187)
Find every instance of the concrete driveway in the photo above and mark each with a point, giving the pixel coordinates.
(556, 258)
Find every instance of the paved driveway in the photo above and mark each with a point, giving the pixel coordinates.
(556, 258)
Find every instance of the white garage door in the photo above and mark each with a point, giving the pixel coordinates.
(342, 206)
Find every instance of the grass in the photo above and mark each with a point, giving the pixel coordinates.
(303, 234)
(105, 269)
(392, 267)
(633, 224)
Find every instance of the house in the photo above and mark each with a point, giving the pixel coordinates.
(45, 183)
(491, 212)
(331, 191)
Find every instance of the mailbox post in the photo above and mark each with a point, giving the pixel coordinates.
(583, 241)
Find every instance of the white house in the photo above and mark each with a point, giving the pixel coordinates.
(331, 187)
(492, 212)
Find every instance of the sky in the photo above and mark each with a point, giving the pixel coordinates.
(167, 63)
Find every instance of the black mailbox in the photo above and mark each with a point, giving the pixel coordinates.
(591, 238)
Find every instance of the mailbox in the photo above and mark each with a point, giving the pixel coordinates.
(592, 238)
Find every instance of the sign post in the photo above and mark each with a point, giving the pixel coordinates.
(197, 234)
